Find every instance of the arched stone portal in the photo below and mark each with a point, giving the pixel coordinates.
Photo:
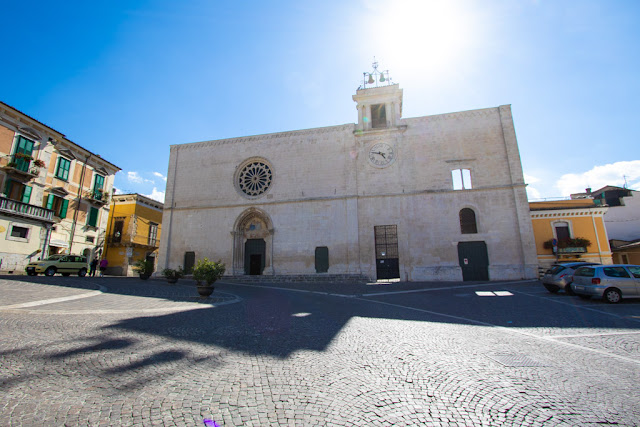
(252, 227)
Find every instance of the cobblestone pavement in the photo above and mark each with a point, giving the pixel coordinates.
(147, 353)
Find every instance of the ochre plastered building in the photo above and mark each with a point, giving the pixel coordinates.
(54, 193)
(133, 233)
(428, 198)
(570, 219)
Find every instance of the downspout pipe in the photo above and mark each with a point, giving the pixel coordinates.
(79, 198)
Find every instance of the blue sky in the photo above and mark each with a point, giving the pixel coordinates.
(128, 79)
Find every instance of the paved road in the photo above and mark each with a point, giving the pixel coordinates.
(107, 351)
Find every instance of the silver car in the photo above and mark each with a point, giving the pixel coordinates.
(609, 282)
(560, 276)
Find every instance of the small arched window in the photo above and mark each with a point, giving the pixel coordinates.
(468, 221)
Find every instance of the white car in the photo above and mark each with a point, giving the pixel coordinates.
(609, 282)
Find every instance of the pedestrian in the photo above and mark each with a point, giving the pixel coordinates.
(103, 266)
(93, 267)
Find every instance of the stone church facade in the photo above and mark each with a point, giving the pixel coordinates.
(439, 197)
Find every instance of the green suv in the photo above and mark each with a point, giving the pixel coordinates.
(64, 264)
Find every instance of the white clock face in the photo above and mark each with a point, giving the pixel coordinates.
(381, 154)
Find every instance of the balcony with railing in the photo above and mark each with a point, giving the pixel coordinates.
(127, 239)
(22, 166)
(13, 207)
(97, 196)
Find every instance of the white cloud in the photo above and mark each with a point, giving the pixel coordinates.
(136, 178)
(156, 195)
(530, 179)
(533, 193)
(599, 176)
(159, 175)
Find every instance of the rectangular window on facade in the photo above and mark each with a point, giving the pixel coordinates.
(153, 233)
(461, 179)
(58, 205)
(378, 116)
(92, 218)
(118, 226)
(17, 191)
(90, 239)
(562, 232)
(22, 153)
(19, 232)
(62, 171)
(98, 185)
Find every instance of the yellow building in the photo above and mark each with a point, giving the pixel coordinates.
(564, 223)
(133, 232)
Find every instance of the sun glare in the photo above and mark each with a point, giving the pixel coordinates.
(425, 37)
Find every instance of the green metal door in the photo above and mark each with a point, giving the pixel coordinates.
(474, 261)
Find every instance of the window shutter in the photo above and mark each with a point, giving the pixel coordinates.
(63, 208)
(50, 200)
(26, 196)
(93, 217)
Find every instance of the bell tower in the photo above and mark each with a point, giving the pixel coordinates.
(379, 101)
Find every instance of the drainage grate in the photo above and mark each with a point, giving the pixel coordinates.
(515, 360)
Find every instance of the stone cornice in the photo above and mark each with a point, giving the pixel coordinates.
(566, 213)
(265, 137)
(341, 197)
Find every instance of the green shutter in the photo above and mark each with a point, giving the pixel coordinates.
(93, 217)
(26, 196)
(62, 171)
(7, 187)
(50, 200)
(63, 208)
(24, 146)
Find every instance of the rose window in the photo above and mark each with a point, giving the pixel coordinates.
(254, 178)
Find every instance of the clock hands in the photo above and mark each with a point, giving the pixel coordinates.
(381, 153)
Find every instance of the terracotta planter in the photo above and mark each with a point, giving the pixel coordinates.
(205, 291)
(172, 280)
(144, 276)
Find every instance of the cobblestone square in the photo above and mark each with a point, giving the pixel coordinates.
(116, 351)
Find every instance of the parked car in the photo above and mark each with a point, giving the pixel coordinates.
(64, 264)
(560, 276)
(609, 282)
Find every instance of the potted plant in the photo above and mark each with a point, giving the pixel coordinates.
(205, 273)
(144, 267)
(172, 275)
(38, 163)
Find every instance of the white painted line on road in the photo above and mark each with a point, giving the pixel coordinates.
(604, 334)
(582, 307)
(477, 285)
(54, 300)
(510, 330)
(485, 294)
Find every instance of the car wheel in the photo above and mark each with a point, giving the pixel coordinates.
(50, 271)
(552, 288)
(612, 296)
(568, 290)
(82, 272)
(584, 296)
(66, 274)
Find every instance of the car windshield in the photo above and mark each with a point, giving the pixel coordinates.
(557, 269)
(54, 257)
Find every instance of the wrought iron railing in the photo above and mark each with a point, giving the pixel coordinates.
(25, 209)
